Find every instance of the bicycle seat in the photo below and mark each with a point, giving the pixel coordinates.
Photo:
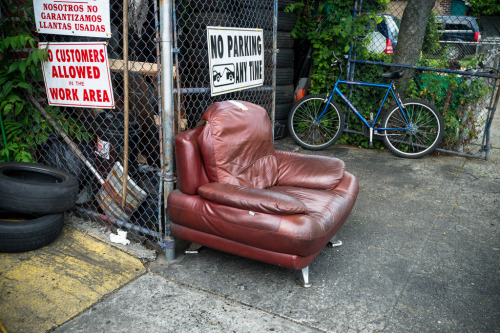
(394, 75)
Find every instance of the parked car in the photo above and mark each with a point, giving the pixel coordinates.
(460, 35)
(382, 34)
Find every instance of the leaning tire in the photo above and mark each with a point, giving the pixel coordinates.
(284, 40)
(284, 76)
(286, 21)
(36, 189)
(21, 232)
(281, 111)
(284, 58)
(284, 94)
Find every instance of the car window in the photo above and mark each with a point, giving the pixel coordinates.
(457, 26)
(393, 27)
(383, 28)
(397, 20)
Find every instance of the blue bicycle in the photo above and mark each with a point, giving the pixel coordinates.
(411, 128)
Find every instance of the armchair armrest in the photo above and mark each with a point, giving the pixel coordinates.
(253, 199)
(309, 171)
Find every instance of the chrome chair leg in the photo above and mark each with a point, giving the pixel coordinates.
(335, 241)
(305, 278)
(194, 248)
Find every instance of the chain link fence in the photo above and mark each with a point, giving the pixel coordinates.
(192, 91)
(454, 74)
(99, 133)
(457, 69)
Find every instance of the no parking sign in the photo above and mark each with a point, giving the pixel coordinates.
(236, 59)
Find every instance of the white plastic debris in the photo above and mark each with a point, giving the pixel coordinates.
(120, 238)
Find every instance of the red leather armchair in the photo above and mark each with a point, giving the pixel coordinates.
(237, 194)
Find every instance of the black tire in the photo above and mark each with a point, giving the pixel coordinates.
(205, 19)
(283, 3)
(284, 40)
(454, 52)
(196, 57)
(195, 77)
(193, 38)
(284, 58)
(36, 189)
(308, 133)
(284, 94)
(22, 232)
(281, 111)
(212, 5)
(266, 4)
(286, 21)
(423, 139)
(284, 76)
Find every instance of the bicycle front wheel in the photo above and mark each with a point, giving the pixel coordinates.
(309, 132)
(420, 136)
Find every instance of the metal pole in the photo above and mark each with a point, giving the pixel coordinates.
(167, 106)
(125, 102)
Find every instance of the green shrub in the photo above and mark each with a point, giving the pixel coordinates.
(24, 127)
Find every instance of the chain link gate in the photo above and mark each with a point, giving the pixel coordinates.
(457, 70)
(99, 133)
(192, 92)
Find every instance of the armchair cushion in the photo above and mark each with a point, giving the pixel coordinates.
(252, 199)
(237, 145)
(309, 171)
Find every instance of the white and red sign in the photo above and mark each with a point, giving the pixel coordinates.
(77, 74)
(235, 59)
(88, 18)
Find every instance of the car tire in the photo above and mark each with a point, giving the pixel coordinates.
(281, 111)
(36, 189)
(286, 21)
(284, 58)
(284, 94)
(454, 52)
(22, 232)
(204, 19)
(284, 40)
(284, 76)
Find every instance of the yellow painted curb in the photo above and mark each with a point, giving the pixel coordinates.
(42, 289)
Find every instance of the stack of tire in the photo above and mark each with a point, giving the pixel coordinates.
(33, 198)
(284, 70)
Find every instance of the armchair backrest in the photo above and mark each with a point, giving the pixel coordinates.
(236, 145)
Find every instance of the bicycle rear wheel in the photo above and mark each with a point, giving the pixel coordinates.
(309, 133)
(418, 138)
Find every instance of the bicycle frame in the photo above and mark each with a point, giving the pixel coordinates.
(390, 89)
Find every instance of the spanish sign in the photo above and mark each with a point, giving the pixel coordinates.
(73, 17)
(77, 74)
(236, 59)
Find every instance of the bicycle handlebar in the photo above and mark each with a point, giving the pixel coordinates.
(337, 61)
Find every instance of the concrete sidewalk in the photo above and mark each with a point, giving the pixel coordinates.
(421, 253)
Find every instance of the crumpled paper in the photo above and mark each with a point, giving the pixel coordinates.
(120, 238)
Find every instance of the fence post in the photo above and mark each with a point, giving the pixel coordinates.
(167, 108)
